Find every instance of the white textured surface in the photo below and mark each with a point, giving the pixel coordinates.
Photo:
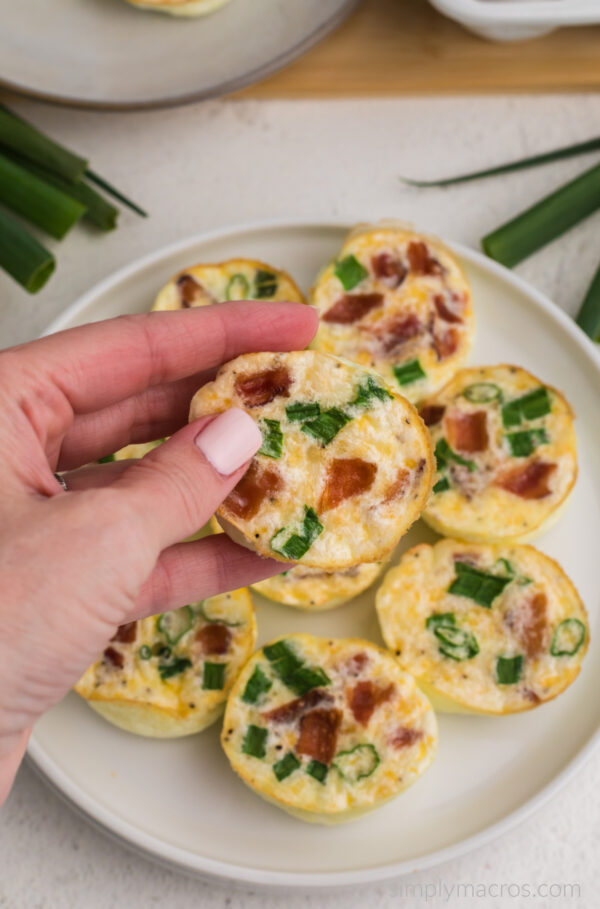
(225, 163)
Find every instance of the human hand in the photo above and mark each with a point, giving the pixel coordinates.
(75, 565)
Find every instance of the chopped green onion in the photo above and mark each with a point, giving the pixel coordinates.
(456, 643)
(350, 272)
(543, 222)
(175, 667)
(213, 676)
(304, 679)
(482, 393)
(509, 669)
(326, 426)
(504, 565)
(272, 444)
(444, 453)
(368, 390)
(106, 459)
(303, 411)
(357, 763)
(298, 544)
(318, 771)
(26, 260)
(440, 618)
(280, 650)
(291, 670)
(106, 186)
(285, 766)
(531, 406)
(524, 443)
(588, 317)
(477, 585)
(144, 652)
(442, 485)
(265, 284)
(257, 685)
(409, 372)
(238, 288)
(567, 151)
(201, 611)
(37, 201)
(176, 623)
(255, 741)
(568, 638)
(25, 139)
(161, 650)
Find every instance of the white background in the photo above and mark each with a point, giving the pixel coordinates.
(226, 163)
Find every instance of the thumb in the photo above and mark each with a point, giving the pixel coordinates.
(179, 485)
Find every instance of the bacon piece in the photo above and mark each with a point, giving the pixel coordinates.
(444, 311)
(255, 486)
(364, 697)
(399, 486)
(213, 638)
(351, 308)
(126, 634)
(532, 696)
(318, 734)
(388, 269)
(445, 343)
(432, 413)
(530, 624)
(192, 293)
(113, 656)
(355, 664)
(528, 480)
(289, 712)
(421, 261)
(467, 431)
(346, 477)
(394, 333)
(404, 737)
(262, 387)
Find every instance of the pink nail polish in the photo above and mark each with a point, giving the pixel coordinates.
(229, 440)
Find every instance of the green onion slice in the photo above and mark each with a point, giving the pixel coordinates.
(291, 670)
(272, 445)
(504, 565)
(477, 585)
(440, 618)
(303, 411)
(456, 643)
(265, 284)
(444, 453)
(588, 317)
(442, 485)
(350, 272)
(144, 652)
(326, 426)
(522, 444)
(22, 256)
(26, 140)
(286, 766)
(213, 676)
(408, 373)
(115, 193)
(176, 623)
(318, 771)
(255, 741)
(357, 763)
(532, 406)
(509, 670)
(482, 393)
(568, 638)
(44, 205)
(257, 685)
(238, 288)
(106, 459)
(174, 667)
(368, 390)
(297, 544)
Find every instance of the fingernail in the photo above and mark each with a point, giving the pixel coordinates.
(229, 440)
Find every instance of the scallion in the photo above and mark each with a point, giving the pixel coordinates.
(22, 256)
(37, 201)
(255, 741)
(588, 317)
(477, 585)
(272, 445)
(28, 141)
(285, 766)
(408, 373)
(445, 453)
(350, 272)
(213, 676)
(326, 426)
(509, 669)
(257, 685)
(523, 443)
(298, 544)
(318, 771)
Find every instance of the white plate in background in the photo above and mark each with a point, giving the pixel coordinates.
(179, 802)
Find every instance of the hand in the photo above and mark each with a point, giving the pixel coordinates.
(75, 565)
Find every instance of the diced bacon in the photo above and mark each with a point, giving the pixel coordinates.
(529, 622)
(447, 311)
(399, 486)
(126, 634)
(355, 664)
(467, 431)
(352, 307)
(431, 414)
(528, 480)
(213, 638)
(364, 697)
(111, 655)
(290, 711)
(445, 343)
(346, 477)
(192, 293)
(255, 486)
(318, 734)
(262, 387)
(394, 333)
(388, 269)
(421, 261)
(531, 696)
(404, 737)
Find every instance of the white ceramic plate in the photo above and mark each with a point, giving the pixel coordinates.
(107, 54)
(179, 801)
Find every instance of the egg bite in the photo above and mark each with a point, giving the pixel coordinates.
(187, 8)
(398, 302)
(490, 628)
(235, 279)
(169, 675)
(314, 589)
(345, 466)
(506, 455)
(327, 729)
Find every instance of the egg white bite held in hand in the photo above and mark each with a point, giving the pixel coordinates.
(398, 302)
(187, 8)
(506, 455)
(484, 628)
(345, 466)
(327, 729)
(169, 675)
(234, 279)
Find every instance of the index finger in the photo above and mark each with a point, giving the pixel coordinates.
(100, 364)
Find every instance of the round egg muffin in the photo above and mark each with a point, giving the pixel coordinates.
(235, 279)
(169, 675)
(327, 729)
(180, 7)
(484, 628)
(397, 302)
(506, 455)
(345, 466)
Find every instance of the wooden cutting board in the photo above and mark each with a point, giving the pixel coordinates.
(405, 47)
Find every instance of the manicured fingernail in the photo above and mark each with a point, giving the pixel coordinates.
(229, 440)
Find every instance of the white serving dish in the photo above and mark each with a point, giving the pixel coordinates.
(516, 20)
